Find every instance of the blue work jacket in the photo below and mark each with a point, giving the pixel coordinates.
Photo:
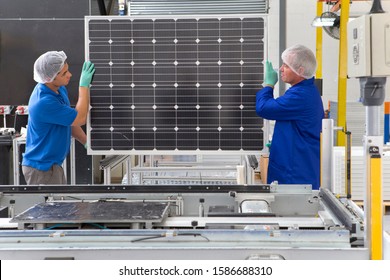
(295, 149)
(49, 128)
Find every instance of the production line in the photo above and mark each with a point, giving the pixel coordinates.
(188, 85)
(180, 222)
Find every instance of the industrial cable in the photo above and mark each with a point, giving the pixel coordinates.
(165, 235)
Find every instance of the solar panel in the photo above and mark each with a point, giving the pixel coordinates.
(175, 85)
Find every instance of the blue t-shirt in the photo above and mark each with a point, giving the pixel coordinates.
(295, 149)
(49, 127)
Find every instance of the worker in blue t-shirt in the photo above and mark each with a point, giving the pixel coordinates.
(52, 121)
(295, 150)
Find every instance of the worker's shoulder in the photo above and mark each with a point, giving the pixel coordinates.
(303, 91)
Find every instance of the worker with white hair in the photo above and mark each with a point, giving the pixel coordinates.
(52, 121)
(295, 147)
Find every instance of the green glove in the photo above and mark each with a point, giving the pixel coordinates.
(87, 74)
(270, 76)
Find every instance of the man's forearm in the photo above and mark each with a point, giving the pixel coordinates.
(79, 134)
(82, 107)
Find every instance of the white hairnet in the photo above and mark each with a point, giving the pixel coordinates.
(301, 60)
(48, 65)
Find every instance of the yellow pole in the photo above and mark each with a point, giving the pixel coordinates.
(319, 59)
(342, 82)
(376, 207)
(319, 43)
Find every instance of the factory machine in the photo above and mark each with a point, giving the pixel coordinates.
(178, 114)
(191, 92)
(179, 222)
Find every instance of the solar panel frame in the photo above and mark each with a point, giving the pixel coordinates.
(172, 88)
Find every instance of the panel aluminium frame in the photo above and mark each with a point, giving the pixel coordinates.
(124, 132)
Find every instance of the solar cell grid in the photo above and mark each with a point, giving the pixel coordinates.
(175, 85)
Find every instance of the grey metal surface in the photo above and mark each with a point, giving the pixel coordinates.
(93, 212)
(373, 120)
(195, 253)
(327, 153)
(340, 211)
(304, 227)
(286, 222)
(185, 244)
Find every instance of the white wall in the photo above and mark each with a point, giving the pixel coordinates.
(300, 14)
